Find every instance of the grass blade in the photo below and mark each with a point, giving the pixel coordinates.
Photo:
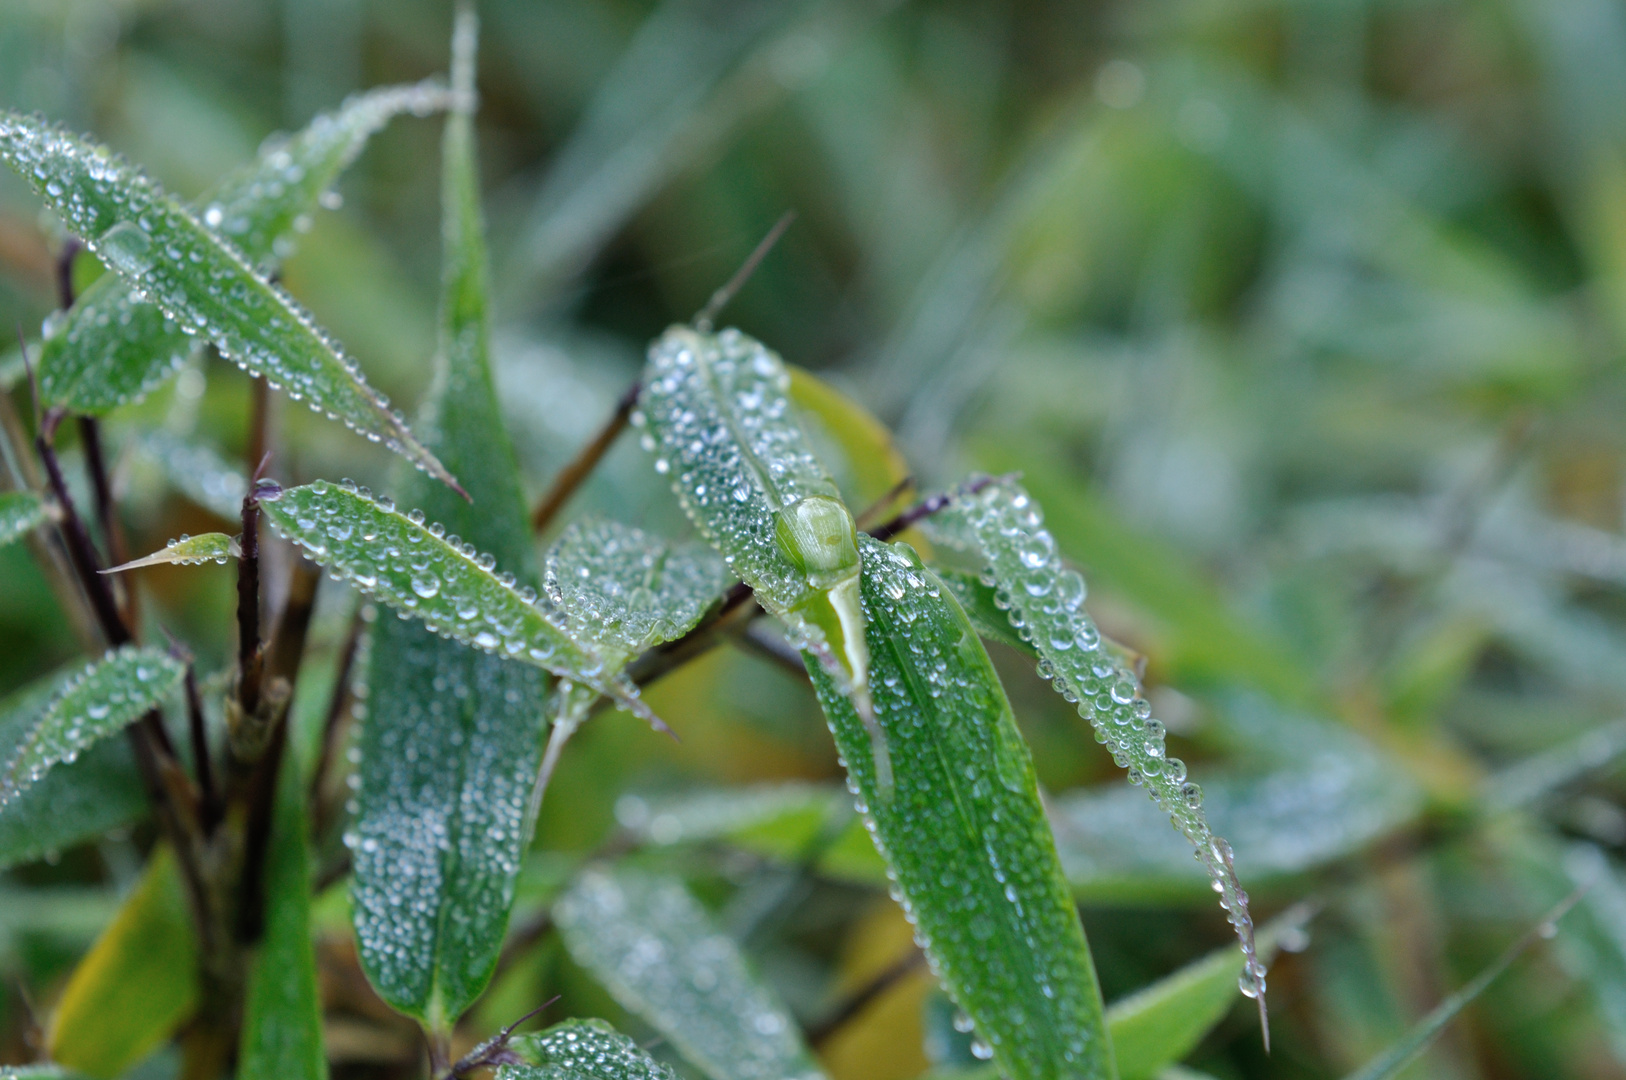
(964, 834)
(113, 348)
(204, 284)
(187, 551)
(109, 694)
(1045, 602)
(586, 1048)
(652, 945)
(20, 512)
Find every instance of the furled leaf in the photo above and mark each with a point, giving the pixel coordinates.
(716, 412)
(586, 1048)
(107, 695)
(204, 284)
(652, 945)
(188, 551)
(198, 472)
(71, 803)
(451, 738)
(282, 1015)
(627, 590)
(113, 348)
(964, 834)
(1045, 602)
(20, 511)
(137, 983)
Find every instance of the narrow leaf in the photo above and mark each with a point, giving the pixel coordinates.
(585, 1048)
(874, 462)
(187, 551)
(204, 284)
(71, 803)
(107, 695)
(137, 983)
(777, 816)
(716, 412)
(450, 742)
(652, 945)
(1045, 601)
(20, 512)
(965, 834)
(282, 1015)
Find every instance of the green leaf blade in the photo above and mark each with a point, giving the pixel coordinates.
(589, 1048)
(20, 513)
(108, 695)
(652, 945)
(187, 551)
(205, 285)
(964, 832)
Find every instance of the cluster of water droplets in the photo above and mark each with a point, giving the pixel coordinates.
(627, 590)
(190, 551)
(1044, 601)
(97, 702)
(171, 259)
(20, 511)
(587, 1048)
(652, 945)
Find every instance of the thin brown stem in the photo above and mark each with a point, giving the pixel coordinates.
(860, 999)
(893, 494)
(720, 298)
(75, 537)
(64, 272)
(202, 764)
(927, 507)
(759, 638)
(571, 476)
(250, 659)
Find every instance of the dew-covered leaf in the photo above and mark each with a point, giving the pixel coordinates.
(187, 551)
(71, 803)
(450, 741)
(652, 945)
(100, 701)
(208, 287)
(586, 1048)
(112, 348)
(20, 512)
(777, 817)
(1045, 603)
(981, 605)
(198, 472)
(137, 983)
(626, 590)
(716, 412)
(964, 833)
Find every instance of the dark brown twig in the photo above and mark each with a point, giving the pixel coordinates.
(720, 298)
(571, 476)
(927, 507)
(820, 1032)
(760, 639)
(202, 765)
(64, 272)
(250, 658)
(893, 494)
(494, 1051)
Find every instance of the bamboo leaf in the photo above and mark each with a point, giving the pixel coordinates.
(187, 551)
(874, 462)
(203, 283)
(716, 412)
(113, 348)
(450, 741)
(1045, 601)
(652, 945)
(585, 1048)
(777, 817)
(71, 803)
(964, 834)
(109, 694)
(137, 983)
(20, 512)
(282, 1014)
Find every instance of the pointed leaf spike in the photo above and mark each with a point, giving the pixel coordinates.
(187, 551)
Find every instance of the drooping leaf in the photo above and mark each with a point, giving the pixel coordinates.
(113, 348)
(873, 460)
(449, 745)
(652, 945)
(716, 412)
(71, 803)
(198, 472)
(20, 512)
(586, 1048)
(1045, 600)
(187, 551)
(282, 1013)
(109, 694)
(965, 834)
(137, 983)
(204, 284)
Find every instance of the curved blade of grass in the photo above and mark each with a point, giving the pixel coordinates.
(187, 551)
(113, 348)
(109, 694)
(20, 512)
(450, 742)
(71, 803)
(1045, 603)
(203, 283)
(715, 410)
(964, 834)
(586, 1048)
(652, 945)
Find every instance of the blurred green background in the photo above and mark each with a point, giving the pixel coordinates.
(1304, 319)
